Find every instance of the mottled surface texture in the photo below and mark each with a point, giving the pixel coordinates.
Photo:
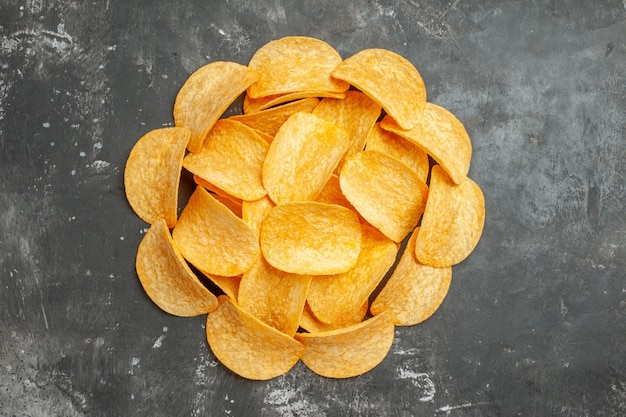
(535, 321)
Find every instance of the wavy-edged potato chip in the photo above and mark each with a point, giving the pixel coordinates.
(302, 157)
(213, 239)
(247, 346)
(253, 105)
(311, 238)
(270, 120)
(384, 191)
(400, 148)
(349, 351)
(253, 213)
(356, 114)
(166, 277)
(231, 158)
(312, 324)
(442, 136)
(206, 94)
(414, 291)
(295, 63)
(275, 297)
(453, 220)
(336, 299)
(152, 174)
(390, 80)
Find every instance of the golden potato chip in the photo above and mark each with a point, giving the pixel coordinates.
(311, 238)
(253, 105)
(205, 96)
(253, 213)
(216, 190)
(231, 158)
(400, 148)
(390, 80)
(229, 285)
(453, 220)
(274, 296)
(166, 277)
(414, 291)
(270, 120)
(212, 238)
(302, 157)
(356, 113)
(337, 298)
(384, 191)
(295, 63)
(247, 346)
(152, 174)
(332, 194)
(442, 136)
(312, 324)
(350, 351)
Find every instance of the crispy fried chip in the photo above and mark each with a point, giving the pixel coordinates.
(212, 238)
(384, 191)
(247, 346)
(311, 238)
(295, 63)
(356, 114)
(442, 136)
(453, 221)
(231, 158)
(253, 213)
(390, 80)
(270, 120)
(205, 96)
(350, 351)
(152, 174)
(336, 299)
(414, 291)
(274, 296)
(312, 324)
(229, 285)
(166, 277)
(400, 148)
(332, 194)
(253, 105)
(216, 190)
(302, 157)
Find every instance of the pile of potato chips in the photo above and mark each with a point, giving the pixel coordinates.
(301, 205)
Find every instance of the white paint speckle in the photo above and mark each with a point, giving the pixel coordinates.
(422, 381)
(73, 172)
(159, 342)
(46, 125)
(82, 154)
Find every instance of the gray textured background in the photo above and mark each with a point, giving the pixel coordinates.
(534, 324)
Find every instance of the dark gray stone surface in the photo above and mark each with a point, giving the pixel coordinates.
(535, 321)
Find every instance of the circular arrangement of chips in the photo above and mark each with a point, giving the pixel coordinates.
(301, 205)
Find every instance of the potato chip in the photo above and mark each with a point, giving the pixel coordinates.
(414, 291)
(388, 79)
(332, 194)
(442, 136)
(384, 191)
(253, 213)
(231, 158)
(311, 238)
(356, 113)
(302, 157)
(212, 238)
(229, 285)
(350, 351)
(274, 296)
(400, 148)
(453, 221)
(152, 174)
(337, 298)
(247, 346)
(166, 277)
(312, 324)
(205, 96)
(253, 105)
(216, 190)
(270, 120)
(295, 63)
